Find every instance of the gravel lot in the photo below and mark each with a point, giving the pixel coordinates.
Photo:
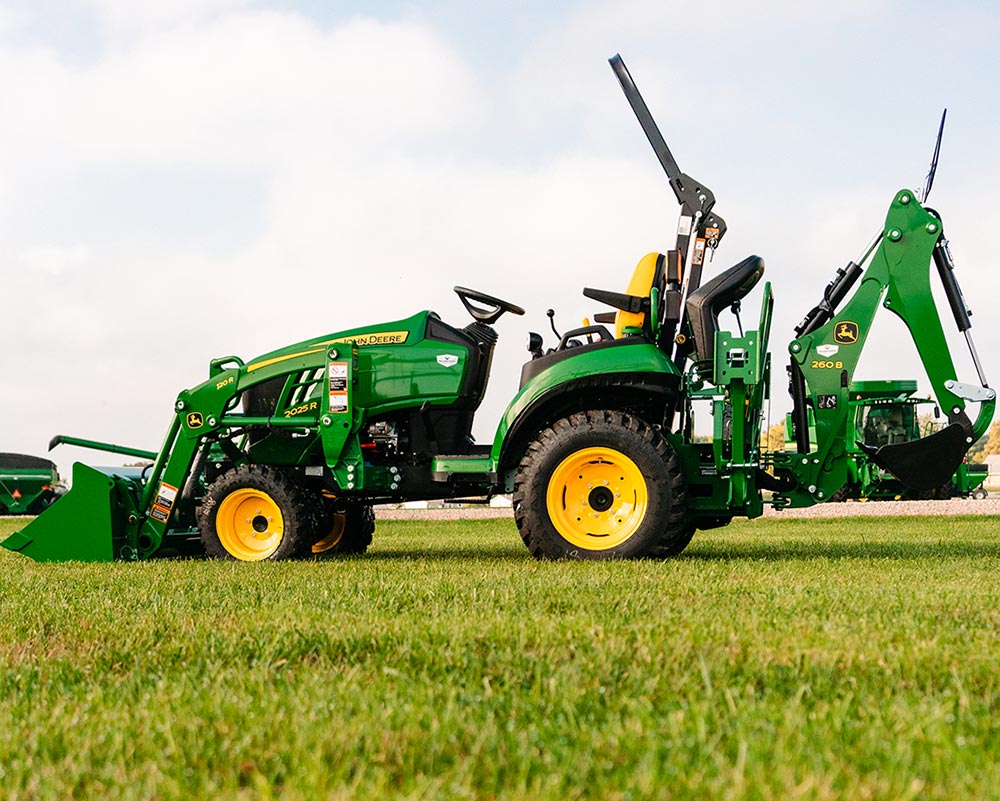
(957, 506)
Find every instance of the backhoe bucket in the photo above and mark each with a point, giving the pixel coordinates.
(927, 463)
(87, 524)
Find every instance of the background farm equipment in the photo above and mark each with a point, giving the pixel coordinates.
(28, 484)
(285, 455)
(888, 413)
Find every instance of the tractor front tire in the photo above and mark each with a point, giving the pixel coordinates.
(345, 533)
(254, 513)
(601, 485)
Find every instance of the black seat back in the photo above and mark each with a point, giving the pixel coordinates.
(704, 304)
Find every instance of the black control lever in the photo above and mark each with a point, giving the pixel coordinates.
(551, 314)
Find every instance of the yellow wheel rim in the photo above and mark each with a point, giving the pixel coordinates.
(249, 524)
(332, 540)
(597, 498)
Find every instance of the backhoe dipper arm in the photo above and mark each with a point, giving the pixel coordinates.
(697, 218)
(829, 344)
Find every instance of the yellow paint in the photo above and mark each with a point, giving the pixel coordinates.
(312, 406)
(277, 359)
(597, 498)
(249, 524)
(374, 338)
(640, 285)
(332, 540)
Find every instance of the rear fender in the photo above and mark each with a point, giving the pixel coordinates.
(630, 375)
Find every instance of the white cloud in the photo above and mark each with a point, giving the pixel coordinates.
(361, 170)
(129, 18)
(56, 261)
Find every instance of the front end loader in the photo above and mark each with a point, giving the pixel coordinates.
(285, 455)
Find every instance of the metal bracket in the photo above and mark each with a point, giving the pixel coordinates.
(970, 392)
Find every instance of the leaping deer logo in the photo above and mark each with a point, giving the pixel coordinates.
(846, 333)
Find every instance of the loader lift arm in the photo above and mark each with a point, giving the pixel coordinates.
(829, 342)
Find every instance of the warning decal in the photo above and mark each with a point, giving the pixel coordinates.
(699, 251)
(165, 497)
(337, 378)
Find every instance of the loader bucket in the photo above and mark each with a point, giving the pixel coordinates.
(88, 524)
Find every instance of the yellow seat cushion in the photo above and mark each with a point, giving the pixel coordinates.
(641, 283)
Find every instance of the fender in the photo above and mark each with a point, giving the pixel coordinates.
(626, 373)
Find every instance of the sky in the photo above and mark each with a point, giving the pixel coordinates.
(187, 179)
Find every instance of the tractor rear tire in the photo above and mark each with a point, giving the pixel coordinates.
(254, 513)
(601, 485)
(841, 495)
(347, 533)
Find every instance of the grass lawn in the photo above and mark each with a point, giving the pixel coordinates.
(846, 658)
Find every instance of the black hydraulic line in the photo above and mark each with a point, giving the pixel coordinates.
(800, 416)
(946, 269)
(834, 293)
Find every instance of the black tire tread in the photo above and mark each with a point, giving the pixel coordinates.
(676, 534)
(359, 529)
(295, 504)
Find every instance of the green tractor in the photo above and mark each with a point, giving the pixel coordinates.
(888, 413)
(285, 455)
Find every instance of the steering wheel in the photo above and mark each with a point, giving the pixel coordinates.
(494, 306)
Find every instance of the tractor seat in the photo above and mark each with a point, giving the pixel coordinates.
(704, 304)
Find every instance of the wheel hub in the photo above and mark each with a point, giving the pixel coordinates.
(601, 499)
(249, 524)
(597, 498)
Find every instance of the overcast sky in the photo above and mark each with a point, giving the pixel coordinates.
(185, 179)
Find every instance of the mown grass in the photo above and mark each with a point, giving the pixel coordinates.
(852, 658)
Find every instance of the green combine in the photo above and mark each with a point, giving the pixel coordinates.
(284, 455)
(28, 484)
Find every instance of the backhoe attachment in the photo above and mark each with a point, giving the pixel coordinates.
(829, 342)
